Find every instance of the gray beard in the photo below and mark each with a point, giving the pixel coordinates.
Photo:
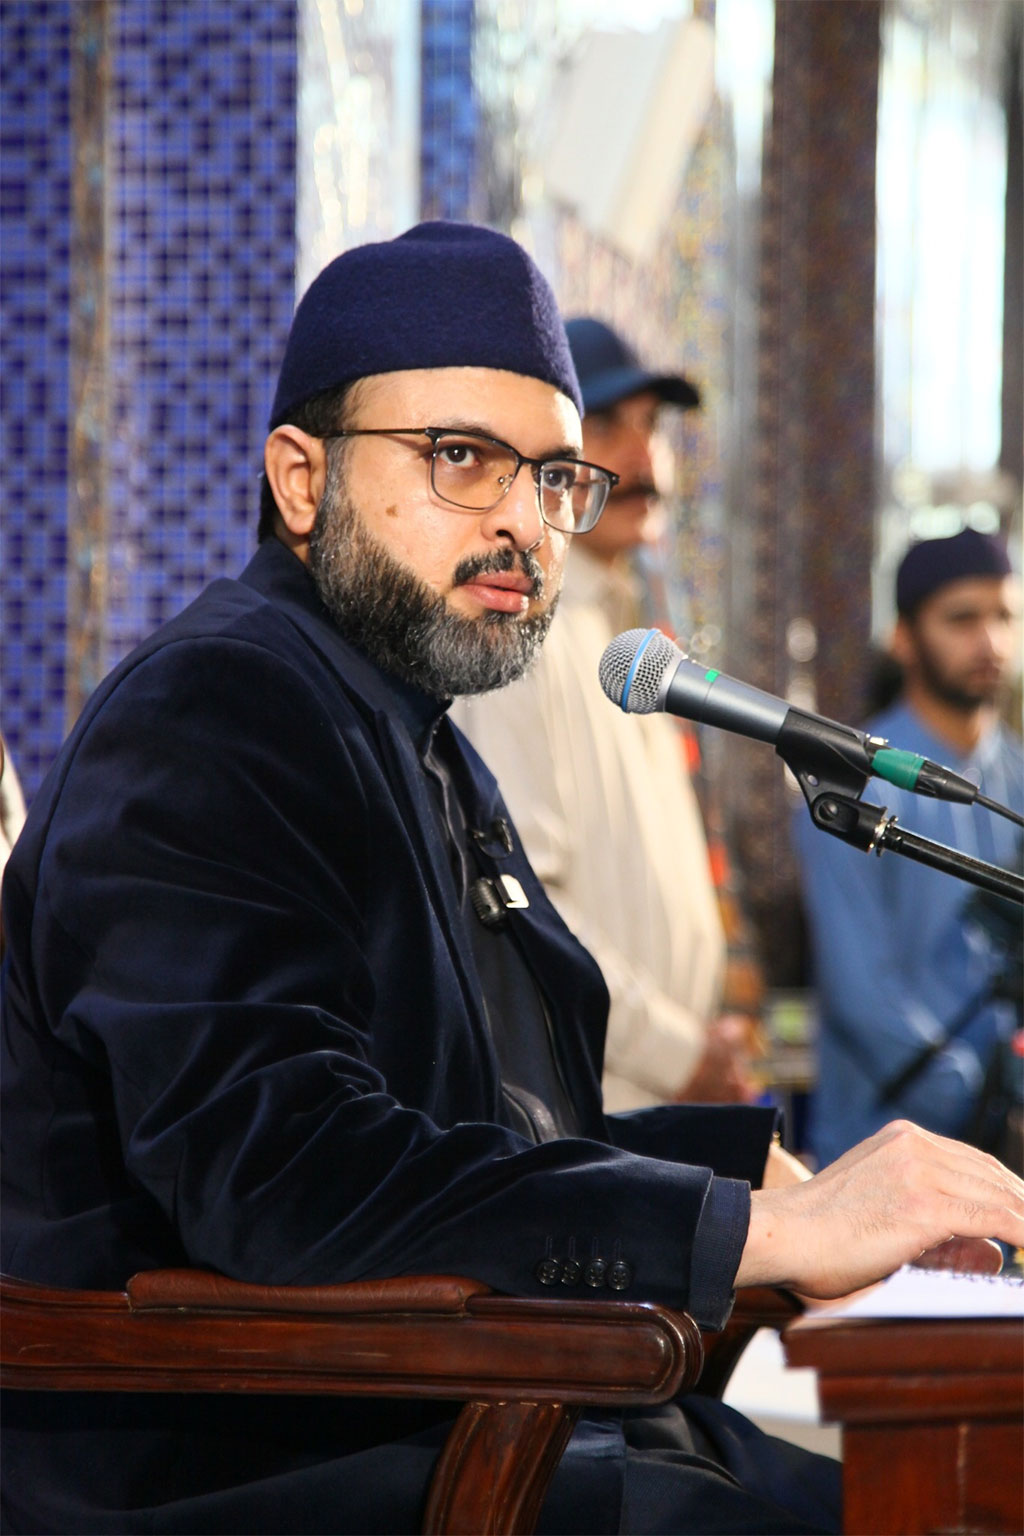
(400, 624)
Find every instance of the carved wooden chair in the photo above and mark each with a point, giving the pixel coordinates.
(523, 1369)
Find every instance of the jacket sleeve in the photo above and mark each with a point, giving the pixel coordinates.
(732, 1139)
(204, 948)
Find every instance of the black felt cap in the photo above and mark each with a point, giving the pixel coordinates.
(934, 563)
(442, 295)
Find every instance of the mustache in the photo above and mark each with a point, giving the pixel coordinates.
(502, 560)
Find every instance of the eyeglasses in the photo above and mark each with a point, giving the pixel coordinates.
(474, 472)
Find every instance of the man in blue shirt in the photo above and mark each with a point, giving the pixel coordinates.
(902, 953)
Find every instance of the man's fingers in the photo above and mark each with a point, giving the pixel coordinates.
(965, 1194)
(967, 1255)
(962, 1172)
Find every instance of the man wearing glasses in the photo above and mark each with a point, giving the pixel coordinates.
(284, 999)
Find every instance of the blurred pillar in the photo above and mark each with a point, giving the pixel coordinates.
(87, 463)
(810, 547)
(1011, 456)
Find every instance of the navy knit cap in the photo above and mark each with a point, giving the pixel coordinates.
(934, 563)
(442, 295)
(610, 371)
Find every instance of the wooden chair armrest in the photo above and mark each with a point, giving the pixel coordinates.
(155, 1290)
(431, 1337)
(523, 1368)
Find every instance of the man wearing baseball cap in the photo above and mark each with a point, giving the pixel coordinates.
(284, 999)
(906, 959)
(605, 802)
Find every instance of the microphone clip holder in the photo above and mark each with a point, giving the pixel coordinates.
(824, 756)
(827, 761)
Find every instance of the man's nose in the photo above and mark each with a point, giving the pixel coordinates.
(516, 517)
(998, 639)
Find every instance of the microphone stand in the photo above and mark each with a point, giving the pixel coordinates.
(831, 777)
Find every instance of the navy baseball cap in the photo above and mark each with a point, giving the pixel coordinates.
(609, 370)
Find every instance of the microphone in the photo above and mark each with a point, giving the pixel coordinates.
(643, 671)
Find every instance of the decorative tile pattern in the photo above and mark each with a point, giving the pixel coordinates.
(448, 113)
(201, 289)
(199, 263)
(35, 212)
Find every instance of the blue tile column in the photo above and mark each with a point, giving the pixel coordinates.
(201, 289)
(448, 114)
(35, 238)
(198, 262)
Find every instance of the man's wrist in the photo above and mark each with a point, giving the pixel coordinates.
(767, 1255)
(718, 1246)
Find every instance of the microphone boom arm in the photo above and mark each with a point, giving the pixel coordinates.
(827, 761)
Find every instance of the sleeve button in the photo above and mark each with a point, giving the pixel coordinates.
(572, 1269)
(619, 1275)
(594, 1273)
(548, 1271)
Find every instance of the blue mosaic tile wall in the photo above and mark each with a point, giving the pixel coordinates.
(35, 215)
(200, 291)
(448, 112)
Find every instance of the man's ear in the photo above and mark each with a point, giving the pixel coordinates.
(296, 467)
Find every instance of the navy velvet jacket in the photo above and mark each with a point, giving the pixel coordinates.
(243, 1029)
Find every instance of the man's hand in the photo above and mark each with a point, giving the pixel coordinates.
(886, 1202)
(723, 1075)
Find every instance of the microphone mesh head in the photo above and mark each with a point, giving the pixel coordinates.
(659, 655)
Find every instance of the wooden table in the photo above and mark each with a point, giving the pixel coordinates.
(932, 1414)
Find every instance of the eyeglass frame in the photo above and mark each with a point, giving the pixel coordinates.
(537, 465)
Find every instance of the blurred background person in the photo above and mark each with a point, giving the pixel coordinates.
(917, 973)
(604, 803)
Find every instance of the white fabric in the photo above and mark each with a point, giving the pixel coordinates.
(12, 807)
(608, 817)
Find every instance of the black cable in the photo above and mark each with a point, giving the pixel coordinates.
(1001, 810)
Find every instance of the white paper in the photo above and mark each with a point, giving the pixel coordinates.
(912, 1292)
